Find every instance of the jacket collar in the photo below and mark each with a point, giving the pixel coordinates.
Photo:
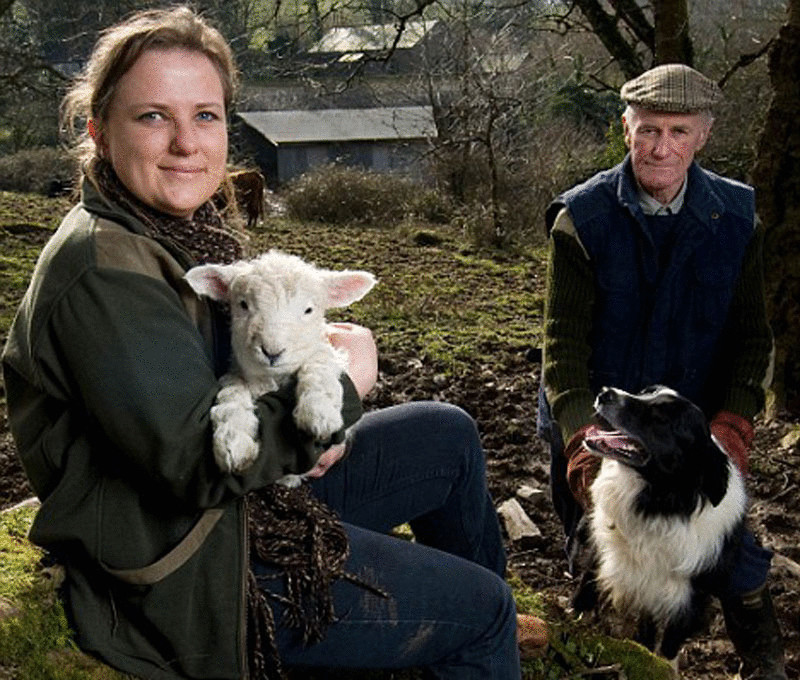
(97, 203)
(701, 199)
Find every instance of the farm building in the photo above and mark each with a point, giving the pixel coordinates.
(285, 144)
(345, 45)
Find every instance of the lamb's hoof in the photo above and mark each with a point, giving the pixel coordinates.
(235, 453)
(290, 481)
(236, 443)
(321, 422)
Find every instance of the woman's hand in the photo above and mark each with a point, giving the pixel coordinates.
(360, 346)
(327, 460)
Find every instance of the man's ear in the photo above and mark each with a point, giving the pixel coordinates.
(705, 133)
(626, 131)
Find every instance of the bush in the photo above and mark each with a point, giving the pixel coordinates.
(337, 194)
(551, 157)
(46, 170)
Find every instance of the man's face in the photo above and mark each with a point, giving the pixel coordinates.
(662, 148)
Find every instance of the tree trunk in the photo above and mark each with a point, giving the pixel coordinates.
(776, 177)
(672, 42)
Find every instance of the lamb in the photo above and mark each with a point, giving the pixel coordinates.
(278, 330)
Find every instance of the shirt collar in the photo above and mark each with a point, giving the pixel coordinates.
(650, 206)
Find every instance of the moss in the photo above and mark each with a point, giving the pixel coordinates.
(35, 640)
(575, 649)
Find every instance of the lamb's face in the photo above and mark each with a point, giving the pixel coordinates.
(277, 321)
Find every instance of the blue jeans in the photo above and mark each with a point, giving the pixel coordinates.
(449, 608)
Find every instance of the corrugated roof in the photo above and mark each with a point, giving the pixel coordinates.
(341, 125)
(372, 38)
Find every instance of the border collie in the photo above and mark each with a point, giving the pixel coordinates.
(667, 512)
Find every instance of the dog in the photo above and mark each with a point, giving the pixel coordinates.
(667, 514)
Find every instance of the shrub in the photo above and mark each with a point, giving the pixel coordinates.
(44, 170)
(338, 194)
(551, 157)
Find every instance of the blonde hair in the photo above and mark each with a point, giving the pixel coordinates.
(115, 53)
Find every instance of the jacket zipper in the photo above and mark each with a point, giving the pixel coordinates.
(243, 656)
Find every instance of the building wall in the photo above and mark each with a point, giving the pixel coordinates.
(406, 157)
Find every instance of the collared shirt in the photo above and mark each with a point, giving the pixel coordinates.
(650, 206)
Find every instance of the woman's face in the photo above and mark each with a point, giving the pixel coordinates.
(166, 133)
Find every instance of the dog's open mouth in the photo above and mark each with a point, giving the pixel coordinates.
(615, 444)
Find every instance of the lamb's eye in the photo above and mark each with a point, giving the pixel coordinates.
(309, 310)
(243, 305)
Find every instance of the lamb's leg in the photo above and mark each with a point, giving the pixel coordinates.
(319, 401)
(236, 441)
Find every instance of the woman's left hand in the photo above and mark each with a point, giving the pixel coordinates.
(326, 461)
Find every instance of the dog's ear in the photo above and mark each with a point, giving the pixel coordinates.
(715, 473)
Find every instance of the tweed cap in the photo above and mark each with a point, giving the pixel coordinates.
(675, 88)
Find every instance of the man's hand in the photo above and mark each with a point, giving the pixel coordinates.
(582, 467)
(360, 346)
(735, 435)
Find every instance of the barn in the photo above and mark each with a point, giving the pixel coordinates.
(285, 144)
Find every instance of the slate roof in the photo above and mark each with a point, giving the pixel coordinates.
(342, 125)
(374, 38)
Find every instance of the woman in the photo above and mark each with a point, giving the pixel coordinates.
(111, 368)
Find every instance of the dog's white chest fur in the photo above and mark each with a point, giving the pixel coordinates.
(646, 563)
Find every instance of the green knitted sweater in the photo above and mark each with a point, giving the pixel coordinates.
(568, 323)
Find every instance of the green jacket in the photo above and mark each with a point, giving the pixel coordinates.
(111, 367)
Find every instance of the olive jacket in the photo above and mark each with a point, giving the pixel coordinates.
(111, 367)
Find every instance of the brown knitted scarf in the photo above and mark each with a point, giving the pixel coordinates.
(203, 236)
(289, 530)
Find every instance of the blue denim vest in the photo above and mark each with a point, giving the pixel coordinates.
(660, 322)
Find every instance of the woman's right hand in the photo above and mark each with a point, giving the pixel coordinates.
(362, 352)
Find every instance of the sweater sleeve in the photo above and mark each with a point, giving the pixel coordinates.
(567, 325)
(124, 346)
(746, 355)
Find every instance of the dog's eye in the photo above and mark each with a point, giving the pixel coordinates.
(243, 304)
(309, 310)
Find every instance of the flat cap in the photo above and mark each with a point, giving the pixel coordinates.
(675, 88)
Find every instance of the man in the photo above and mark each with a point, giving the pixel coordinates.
(654, 276)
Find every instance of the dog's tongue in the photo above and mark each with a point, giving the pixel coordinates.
(613, 444)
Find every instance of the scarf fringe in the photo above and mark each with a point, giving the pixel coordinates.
(295, 533)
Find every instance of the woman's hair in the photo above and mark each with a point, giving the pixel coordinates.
(117, 50)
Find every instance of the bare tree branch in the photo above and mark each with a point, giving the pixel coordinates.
(744, 61)
(605, 27)
(633, 15)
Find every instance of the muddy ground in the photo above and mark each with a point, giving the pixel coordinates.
(501, 396)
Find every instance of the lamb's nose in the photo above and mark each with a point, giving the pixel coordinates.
(271, 357)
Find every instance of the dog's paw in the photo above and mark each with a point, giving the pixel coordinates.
(319, 417)
(236, 442)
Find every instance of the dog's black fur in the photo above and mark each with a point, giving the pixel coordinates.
(664, 439)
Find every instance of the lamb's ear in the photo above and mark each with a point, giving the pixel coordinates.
(211, 280)
(345, 287)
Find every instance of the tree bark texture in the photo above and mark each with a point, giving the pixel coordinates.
(672, 42)
(776, 177)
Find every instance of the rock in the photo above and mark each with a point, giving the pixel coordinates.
(531, 493)
(517, 523)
